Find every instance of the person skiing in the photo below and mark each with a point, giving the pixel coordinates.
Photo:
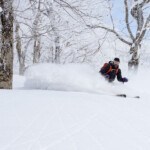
(111, 69)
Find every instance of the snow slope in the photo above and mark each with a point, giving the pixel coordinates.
(69, 119)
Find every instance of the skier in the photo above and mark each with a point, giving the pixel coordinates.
(111, 70)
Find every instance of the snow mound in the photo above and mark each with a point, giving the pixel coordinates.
(68, 77)
(72, 77)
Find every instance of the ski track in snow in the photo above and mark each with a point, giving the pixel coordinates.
(85, 127)
(78, 118)
(28, 128)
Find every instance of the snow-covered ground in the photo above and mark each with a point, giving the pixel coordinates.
(70, 107)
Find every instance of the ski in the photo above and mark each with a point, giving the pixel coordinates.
(122, 95)
(126, 96)
(118, 95)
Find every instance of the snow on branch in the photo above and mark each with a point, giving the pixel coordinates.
(146, 26)
(112, 31)
(127, 19)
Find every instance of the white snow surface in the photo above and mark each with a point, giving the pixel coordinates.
(80, 114)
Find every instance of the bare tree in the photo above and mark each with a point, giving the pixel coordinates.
(6, 53)
(56, 31)
(134, 41)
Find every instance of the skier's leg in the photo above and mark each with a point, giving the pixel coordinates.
(112, 76)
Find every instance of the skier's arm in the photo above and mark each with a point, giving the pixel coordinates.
(104, 70)
(119, 76)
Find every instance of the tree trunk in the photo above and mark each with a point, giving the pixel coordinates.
(137, 14)
(134, 61)
(57, 50)
(37, 38)
(20, 52)
(6, 60)
(21, 68)
(56, 37)
(37, 50)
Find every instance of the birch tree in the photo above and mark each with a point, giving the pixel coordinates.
(133, 40)
(6, 52)
(20, 52)
(143, 23)
(36, 35)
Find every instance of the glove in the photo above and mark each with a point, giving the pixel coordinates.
(124, 80)
(107, 76)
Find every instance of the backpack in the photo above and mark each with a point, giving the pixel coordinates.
(110, 69)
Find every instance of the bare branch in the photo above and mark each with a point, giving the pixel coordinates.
(112, 31)
(141, 36)
(127, 20)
